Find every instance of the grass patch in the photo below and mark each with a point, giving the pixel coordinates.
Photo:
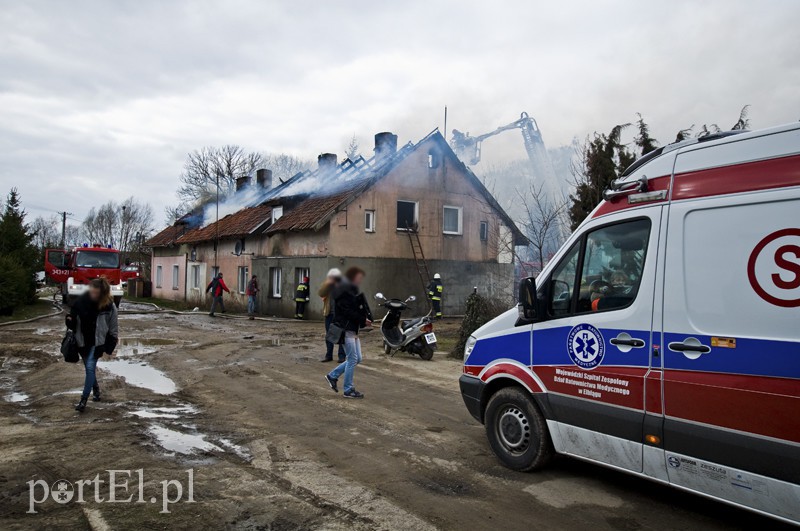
(29, 311)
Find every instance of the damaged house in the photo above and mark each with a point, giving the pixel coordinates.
(401, 215)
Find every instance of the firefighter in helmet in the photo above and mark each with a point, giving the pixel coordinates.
(435, 295)
(301, 298)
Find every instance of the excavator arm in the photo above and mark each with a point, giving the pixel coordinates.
(468, 147)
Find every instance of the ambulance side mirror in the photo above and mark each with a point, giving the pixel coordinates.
(528, 303)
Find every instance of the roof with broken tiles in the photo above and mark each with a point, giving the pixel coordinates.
(318, 195)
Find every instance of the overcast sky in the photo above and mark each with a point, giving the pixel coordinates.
(102, 100)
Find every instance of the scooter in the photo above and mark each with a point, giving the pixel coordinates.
(406, 335)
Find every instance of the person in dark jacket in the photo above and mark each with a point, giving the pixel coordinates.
(93, 320)
(252, 296)
(301, 298)
(325, 290)
(350, 314)
(217, 287)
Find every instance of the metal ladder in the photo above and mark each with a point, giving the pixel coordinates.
(419, 258)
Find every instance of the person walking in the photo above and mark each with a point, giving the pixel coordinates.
(350, 314)
(333, 279)
(252, 294)
(435, 290)
(93, 320)
(301, 298)
(217, 287)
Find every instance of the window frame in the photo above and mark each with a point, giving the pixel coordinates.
(195, 276)
(416, 213)
(483, 237)
(275, 279)
(575, 296)
(460, 211)
(159, 276)
(241, 281)
(176, 276)
(369, 220)
(277, 213)
(300, 273)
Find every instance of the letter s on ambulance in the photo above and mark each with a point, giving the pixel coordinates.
(663, 338)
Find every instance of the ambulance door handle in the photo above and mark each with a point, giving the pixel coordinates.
(691, 345)
(627, 341)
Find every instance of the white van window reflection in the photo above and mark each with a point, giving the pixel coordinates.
(612, 266)
(562, 283)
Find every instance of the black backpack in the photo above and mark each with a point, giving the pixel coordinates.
(69, 347)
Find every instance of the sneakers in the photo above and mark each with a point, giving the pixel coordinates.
(326, 360)
(332, 383)
(353, 394)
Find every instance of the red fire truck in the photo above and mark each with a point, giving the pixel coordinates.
(75, 268)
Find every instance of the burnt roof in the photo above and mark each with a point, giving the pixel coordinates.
(237, 225)
(165, 237)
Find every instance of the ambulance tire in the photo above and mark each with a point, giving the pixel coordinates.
(517, 431)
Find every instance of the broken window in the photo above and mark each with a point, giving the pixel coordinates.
(369, 221)
(407, 212)
(434, 158)
(451, 221)
(484, 231)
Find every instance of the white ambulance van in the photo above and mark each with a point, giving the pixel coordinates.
(663, 339)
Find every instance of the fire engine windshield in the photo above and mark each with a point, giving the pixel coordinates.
(97, 259)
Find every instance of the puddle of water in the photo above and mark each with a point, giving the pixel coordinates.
(133, 346)
(165, 412)
(43, 331)
(182, 443)
(241, 451)
(140, 375)
(16, 397)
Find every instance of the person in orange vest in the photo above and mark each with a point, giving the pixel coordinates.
(301, 298)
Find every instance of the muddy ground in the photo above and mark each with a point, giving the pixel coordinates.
(244, 406)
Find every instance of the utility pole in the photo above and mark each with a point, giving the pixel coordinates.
(216, 239)
(64, 229)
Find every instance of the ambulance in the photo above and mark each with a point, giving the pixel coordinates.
(663, 339)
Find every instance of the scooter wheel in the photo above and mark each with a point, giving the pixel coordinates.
(427, 353)
(387, 349)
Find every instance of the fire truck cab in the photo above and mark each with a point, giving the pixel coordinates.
(663, 339)
(74, 270)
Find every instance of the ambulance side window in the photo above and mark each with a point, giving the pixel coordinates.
(562, 283)
(613, 263)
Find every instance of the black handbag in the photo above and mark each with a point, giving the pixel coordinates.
(69, 348)
(334, 335)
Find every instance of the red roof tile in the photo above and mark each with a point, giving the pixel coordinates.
(166, 236)
(315, 211)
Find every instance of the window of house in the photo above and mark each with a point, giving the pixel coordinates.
(275, 282)
(195, 277)
(369, 221)
(159, 276)
(242, 279)
(451, 220)
(434, 157)
(214, 272)
(407, 214)
(608, 263)
(484, 231)
(277, 213)
(175, 277)
(300, 273)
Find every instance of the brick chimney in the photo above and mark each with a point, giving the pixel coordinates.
(327, 161)
(264, 178)
(242, 182)
(385, 145)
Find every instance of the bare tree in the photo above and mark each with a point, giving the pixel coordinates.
(351, 151)
(209, 167)
(46, 232)
(543, 223)
(118, 225)
(284, 166)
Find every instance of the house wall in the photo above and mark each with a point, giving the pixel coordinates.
(432, 189)
(167, 258)
(228, 264)
(391, 276)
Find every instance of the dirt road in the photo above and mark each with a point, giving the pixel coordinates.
(243, 405)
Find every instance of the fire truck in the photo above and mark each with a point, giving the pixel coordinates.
(75, 268)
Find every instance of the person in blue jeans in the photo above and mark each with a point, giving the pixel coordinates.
(93, 320)
(350, 314)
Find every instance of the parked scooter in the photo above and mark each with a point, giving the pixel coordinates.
(410, 335)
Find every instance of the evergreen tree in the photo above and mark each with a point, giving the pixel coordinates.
(20, 256)
(643, 140)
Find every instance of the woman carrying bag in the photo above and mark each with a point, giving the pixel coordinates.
(93, 320)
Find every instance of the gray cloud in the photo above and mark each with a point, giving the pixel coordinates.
(101, 100)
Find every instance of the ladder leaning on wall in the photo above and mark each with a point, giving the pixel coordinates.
(419, 258)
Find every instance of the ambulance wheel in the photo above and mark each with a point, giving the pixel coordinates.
(117, 300)
(517, 431)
